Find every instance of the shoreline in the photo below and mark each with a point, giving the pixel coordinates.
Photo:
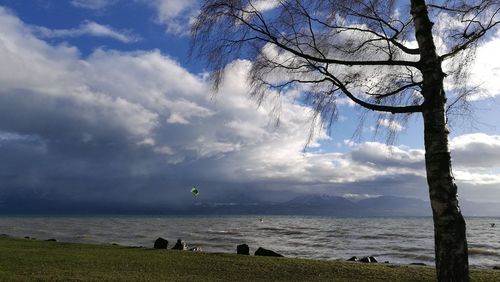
(400, 241)
(347, 260)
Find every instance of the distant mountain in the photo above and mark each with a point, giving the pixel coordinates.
(340, 206)
(390, 206)
(317, 205)
(311, 204)
(321, 205)
(480, 209)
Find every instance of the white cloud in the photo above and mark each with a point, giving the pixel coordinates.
(58, 74)
(476, 179)
(182, 110)
(392, 125)
(86, 28)
(384, 155)
(358, 197)
(92, 4)
(261, 6)
(264, 5)
(486, 69)
(176, 15)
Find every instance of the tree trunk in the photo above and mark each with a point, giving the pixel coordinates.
(449, 225)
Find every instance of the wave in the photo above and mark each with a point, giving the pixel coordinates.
(483, 252)
(224, 232)
(308, 228)
(369, 237)
(270, 229)
(481, 246)
(412, 256)
(282, 231)
(408, 249)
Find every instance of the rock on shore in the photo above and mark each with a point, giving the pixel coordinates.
(266, 253)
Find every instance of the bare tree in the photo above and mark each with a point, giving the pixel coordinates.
(381, 55)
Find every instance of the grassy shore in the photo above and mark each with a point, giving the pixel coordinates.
(31, 260)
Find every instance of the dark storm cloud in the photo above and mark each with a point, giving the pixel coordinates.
(476, 150)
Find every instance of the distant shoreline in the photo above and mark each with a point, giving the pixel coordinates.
(256, 215)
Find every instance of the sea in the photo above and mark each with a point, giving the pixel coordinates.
(400, 240)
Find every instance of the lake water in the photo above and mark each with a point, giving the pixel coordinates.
(397, 240)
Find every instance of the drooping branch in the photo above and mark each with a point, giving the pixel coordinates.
(397, 91)
(265, 35)
(373, 107)
(393, 39)
(348, 42)
(472, 37)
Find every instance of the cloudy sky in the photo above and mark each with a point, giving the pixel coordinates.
(100, 104)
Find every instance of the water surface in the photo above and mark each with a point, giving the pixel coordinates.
(397, 240)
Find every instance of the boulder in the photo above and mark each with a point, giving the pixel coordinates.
(161, 243)
(368, 259)
(51, 240)
(354, 258)
(266, 253)
(179, 245)
(496, 267)
(243, 249)
(418, 263)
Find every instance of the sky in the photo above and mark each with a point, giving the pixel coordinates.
(100, 104)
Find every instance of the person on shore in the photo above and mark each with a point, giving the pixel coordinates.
(180, 245)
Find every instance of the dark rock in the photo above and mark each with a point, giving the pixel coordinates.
(496, 267)
(114, 244)
(243, 249)
(51, 240)
(418, 263)
(161, 243)
(27, 237)
(266, 253)
(354, 258)
(364, 259)
(180, 245)
(386, 261)
(368, 260)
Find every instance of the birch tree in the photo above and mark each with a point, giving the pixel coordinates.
(385, 56)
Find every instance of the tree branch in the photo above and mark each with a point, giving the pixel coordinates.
(402, 88)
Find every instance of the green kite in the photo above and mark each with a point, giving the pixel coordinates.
(195, 191)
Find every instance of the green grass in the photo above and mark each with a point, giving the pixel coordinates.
(30, 260)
